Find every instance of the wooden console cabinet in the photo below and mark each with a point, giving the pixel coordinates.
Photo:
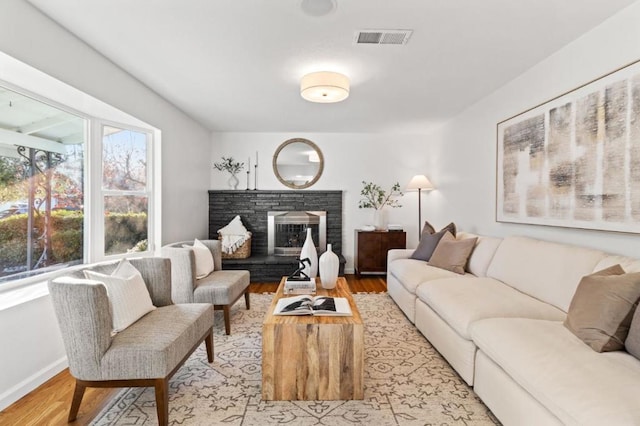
(372, 247)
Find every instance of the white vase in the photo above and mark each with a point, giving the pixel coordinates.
(233, 182)
(379, 220)
(309, 251)
(328, 266)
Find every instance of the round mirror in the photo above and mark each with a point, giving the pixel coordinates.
(298, 163)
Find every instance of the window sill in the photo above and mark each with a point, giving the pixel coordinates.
(24, 294)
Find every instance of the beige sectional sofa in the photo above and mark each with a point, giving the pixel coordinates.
(500, 326)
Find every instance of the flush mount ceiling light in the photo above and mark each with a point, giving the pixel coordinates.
(324, 87)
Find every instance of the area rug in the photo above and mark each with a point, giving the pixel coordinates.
(406, 381)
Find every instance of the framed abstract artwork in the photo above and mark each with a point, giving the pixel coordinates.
(574, 161)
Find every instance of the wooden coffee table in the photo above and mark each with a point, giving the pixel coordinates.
(313, 357)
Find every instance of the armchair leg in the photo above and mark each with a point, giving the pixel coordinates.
(162, 400)
(78, 393)
(246, 299)
(208, 342)
(227, 319)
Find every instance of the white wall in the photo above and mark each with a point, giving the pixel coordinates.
(463, 152)
(349, 158)
(31, 349)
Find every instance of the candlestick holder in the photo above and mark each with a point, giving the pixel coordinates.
(255, 177)
(247, 180)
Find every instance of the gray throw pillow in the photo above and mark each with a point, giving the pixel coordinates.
(428, 229)
(452, 254)
(427, 245)
(632, 344)
(601, 310)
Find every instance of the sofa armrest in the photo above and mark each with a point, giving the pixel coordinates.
(395, 254)
(183, 273)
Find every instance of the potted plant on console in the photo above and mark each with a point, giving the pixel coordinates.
(374, 197)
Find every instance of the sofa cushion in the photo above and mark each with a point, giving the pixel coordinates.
(547, 271)
(410, 273)
(628, 264)
(428, 229)
(602, 308)
(221, 287)
(427, 245)
(460, 302)
(154, 345)
(578, 385)
(452, 254)
(482, 253)
(632, 344)
(204, 258)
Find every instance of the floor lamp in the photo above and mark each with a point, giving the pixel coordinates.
(419, 182)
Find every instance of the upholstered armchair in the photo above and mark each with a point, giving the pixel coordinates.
(146, 353)
(222, 288)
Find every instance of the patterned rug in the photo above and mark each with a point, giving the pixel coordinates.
(406, 381)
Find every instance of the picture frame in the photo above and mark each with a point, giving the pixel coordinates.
(574, 161)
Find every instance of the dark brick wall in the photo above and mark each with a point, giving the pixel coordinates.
(252, 206)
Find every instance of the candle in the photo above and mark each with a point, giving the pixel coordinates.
(248, 167)
(256, 158)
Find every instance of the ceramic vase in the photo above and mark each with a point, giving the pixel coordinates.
(379, 220)
(309, 250)
(328, 267)
(233, 182)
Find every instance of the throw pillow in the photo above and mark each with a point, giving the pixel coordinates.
(452, 254)
(129, 297)
(632, 344)
(428, 229)
(204, 258)
(601, 310)
(427, 245)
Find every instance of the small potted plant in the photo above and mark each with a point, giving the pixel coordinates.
(229, 165)
(374, 197)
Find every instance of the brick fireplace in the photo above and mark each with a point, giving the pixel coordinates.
(253, 208)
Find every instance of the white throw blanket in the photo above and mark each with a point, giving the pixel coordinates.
(233, 235)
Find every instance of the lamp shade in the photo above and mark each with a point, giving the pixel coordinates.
(420, 182)
(324, 87)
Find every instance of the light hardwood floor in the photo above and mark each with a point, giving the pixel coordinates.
(49, 404)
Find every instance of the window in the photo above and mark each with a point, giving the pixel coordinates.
(125, 190)
(53, 175)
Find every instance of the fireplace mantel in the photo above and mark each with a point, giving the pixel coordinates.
(252, 206)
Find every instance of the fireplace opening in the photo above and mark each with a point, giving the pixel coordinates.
(287, 231)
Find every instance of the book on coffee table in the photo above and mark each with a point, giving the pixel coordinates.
(313, 305)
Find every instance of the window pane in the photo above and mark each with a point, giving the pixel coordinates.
(41, 187)
(125, 224)
(124, 159)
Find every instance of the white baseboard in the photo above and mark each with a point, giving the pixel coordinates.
(30, 383)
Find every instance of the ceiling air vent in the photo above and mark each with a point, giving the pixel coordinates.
(382, 36)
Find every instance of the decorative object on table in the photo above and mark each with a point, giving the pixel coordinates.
(570, 161)
(229, 165)
(328, 266)
(235, 240)
(299, 282)
(374, 197)
(419, 182)
(309, 251)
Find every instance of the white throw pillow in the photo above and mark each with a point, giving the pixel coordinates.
(204, 258)
(128, 295)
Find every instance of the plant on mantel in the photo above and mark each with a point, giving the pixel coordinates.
(374, 197)
(229, 165)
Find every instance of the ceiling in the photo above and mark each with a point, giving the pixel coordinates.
(235, 65)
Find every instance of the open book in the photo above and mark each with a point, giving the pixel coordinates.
(310, 305)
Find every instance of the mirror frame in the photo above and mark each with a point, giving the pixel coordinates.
(311, 145)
